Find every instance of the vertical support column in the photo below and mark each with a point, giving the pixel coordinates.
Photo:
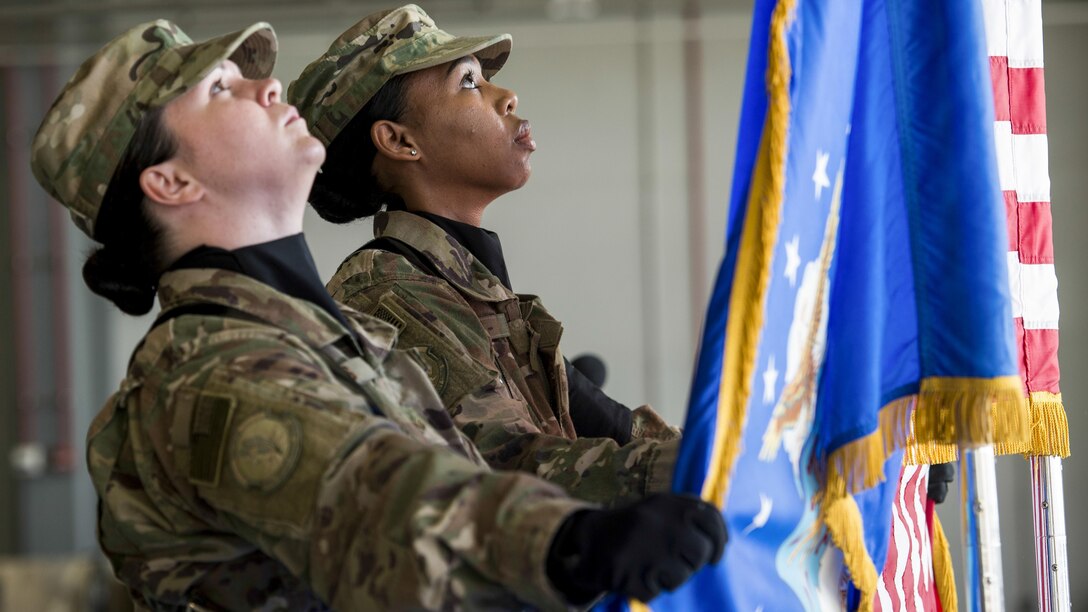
(648, 218)
(981, 530)
(8, 398)
(61, 459)
(695, 141)
(1051, 556)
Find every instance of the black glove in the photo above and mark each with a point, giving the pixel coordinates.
(636, 551)
(940, 476)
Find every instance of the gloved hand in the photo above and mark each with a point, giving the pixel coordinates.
(940, 476)
(636, 551)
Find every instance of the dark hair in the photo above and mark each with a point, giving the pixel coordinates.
(126, 268)
(346, 188)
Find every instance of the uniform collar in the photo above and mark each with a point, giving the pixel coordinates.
(484, 244)
(296, 316)
(285, 264)
(450, 258)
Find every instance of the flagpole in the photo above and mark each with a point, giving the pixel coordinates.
(1048, 510)
(981, 530)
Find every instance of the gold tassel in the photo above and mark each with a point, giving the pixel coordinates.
(943, 574)
(971, 411)
(859, 465)
(1049, 428)
(851, 468)
(638, 606)
(843, 521)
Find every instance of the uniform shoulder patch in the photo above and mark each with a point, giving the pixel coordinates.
(207, 433)
(434, 364)
(265, 449)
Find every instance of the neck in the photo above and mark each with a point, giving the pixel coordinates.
(473, 217)
(232, 225)
(466, 206)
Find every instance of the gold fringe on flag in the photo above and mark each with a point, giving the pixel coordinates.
(859, 465)
(851, 468)
(753, 269)
(928, 453)
(971, 411)
(1049, 428)
(943, 574)
(844, 524)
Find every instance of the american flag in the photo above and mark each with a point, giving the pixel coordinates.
(1014, 38)
(907, 582)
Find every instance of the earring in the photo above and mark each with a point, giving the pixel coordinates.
(414, 152)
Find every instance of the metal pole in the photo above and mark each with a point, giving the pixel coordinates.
(1048, 510)
(981, 535)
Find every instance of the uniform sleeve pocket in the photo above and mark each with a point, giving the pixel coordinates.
(452, 371)
(259, 451)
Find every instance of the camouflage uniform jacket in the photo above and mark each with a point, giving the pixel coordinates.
(275, 463)
(494, 358)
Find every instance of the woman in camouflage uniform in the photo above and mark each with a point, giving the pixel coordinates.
(413, 125)
(267, 449)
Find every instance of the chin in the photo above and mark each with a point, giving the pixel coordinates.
(524, 178)
(315, 153)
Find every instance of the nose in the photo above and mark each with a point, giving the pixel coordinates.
(269, 91)
(508, 101)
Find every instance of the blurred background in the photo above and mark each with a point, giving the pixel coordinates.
(634, 105)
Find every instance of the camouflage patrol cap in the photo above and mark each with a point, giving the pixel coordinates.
(336, 86)
(85, 133)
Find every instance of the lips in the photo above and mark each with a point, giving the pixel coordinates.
(524, 136)
(292, 116)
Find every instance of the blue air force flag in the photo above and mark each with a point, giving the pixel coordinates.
(862, 304)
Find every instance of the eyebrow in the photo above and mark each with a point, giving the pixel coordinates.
(221, 68)
(454, 64)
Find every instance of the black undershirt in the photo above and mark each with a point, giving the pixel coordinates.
(284, 264)
(595, 415)
(483, 244)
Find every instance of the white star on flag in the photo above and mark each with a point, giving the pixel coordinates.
(819, 177)
(770, 377)
(793, 259)
(766, 504)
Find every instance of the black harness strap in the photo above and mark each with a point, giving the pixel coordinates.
(405, 250)
(205, 309)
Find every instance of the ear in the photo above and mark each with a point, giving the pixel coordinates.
(170, 184)
(394, 141)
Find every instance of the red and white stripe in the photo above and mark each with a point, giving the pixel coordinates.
(1014, 39)
(907, 581)
(1014, 36)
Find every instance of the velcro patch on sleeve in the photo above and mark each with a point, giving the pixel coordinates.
(386, 315)
(208, 436)
(265, 450)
